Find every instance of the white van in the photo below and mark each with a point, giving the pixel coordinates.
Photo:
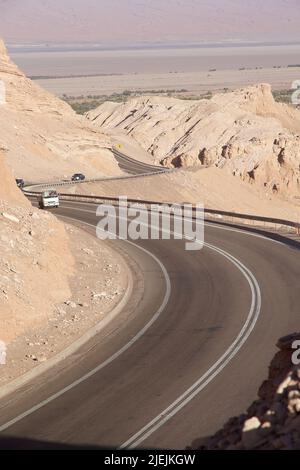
(49, 198)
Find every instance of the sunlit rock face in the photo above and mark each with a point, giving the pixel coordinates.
(2, 93)
(244, 132)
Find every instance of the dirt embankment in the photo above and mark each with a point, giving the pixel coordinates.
(210, 186)
(35, 264)
(56, 281)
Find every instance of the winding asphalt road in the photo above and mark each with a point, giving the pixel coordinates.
(188, 351)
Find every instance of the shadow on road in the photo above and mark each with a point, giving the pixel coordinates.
(12, 443)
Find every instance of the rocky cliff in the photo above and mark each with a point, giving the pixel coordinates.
(245, 133)
(44, 137)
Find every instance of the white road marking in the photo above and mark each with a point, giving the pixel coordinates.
(215, 369)
(201, 383)
(209, 224)
(111, 358)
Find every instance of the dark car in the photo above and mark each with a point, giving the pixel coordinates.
(78, 177)
(20, 183)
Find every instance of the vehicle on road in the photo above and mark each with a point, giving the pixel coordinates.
(78, 177)
(49, 198)
(20, 183)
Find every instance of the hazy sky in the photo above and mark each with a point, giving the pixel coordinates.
(117, 21)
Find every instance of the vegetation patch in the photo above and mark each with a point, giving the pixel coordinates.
(82, 104)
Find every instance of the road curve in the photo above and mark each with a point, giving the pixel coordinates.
(135, 167)
(187, 310)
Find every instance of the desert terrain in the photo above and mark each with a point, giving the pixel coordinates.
(43, 136)
(86, 76)
(192, 83)
(244, 133)
(196, 185)
(196, 69)
(238, 151)
(53, 278)
(27, 267)
(44, 139)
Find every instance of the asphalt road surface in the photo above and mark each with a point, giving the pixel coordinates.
(135, 167)
(188, 351)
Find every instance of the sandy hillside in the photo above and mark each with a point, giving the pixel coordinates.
(35, 259)
(245, 133)
(208, 185)
(44, 137)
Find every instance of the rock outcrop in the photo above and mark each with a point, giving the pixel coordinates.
(6, 65)
(245, 133)
(8, 189)
(23, 94)
(44, 137)
(273, 421)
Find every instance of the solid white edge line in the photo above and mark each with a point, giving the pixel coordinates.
(131, 442)
(209, 224)
(111, 358)
(215, 369)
